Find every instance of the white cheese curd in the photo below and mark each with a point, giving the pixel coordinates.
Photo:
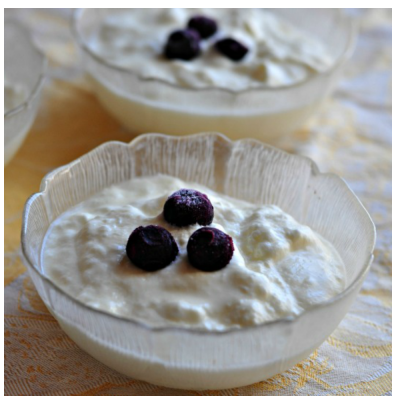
(279, 53)
(279, 267)
(14, 95)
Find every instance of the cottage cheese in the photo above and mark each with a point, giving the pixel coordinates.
(279, 267)
(279, 53)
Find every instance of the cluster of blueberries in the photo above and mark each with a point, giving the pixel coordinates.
(184, 44)
(152, 247)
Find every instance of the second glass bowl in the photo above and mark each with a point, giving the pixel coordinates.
(25, 66)
(151, 105)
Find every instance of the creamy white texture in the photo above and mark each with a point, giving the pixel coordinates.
(14, 95)
(279, 54)
(279, 267)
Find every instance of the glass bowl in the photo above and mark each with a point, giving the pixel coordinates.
(248, 170)
(25, 66)
(151, 105)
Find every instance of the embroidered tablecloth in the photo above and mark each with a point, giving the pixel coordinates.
(350, 135)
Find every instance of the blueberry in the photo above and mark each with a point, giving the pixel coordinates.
(183, 45)
(210, 249)
(151, 248)
(205, 26)
(231, 48)
(188, 207)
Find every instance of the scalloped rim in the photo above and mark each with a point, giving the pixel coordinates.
(40, 79)
(46, 182)
(348, 51)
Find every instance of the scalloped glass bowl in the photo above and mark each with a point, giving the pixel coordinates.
(25, 65)
(150, 105)
(247, 169)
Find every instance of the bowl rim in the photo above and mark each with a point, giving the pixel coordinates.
(47, 182)
(41, 77)
(346, 54)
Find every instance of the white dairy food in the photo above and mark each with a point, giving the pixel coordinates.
(14, 95)
(279, 267)
(279, 53)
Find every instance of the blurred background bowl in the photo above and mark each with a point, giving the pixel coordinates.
(151, 105)
(24, 66)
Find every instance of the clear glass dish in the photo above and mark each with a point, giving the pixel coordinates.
(25, 66)
(151, 105)
(195, 359)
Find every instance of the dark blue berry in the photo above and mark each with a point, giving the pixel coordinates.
(183, 45)
(231, 48)
(210, 249)
(188, 207)
(205, 26)
(151, 247)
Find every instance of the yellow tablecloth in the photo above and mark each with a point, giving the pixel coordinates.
(351, 136)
